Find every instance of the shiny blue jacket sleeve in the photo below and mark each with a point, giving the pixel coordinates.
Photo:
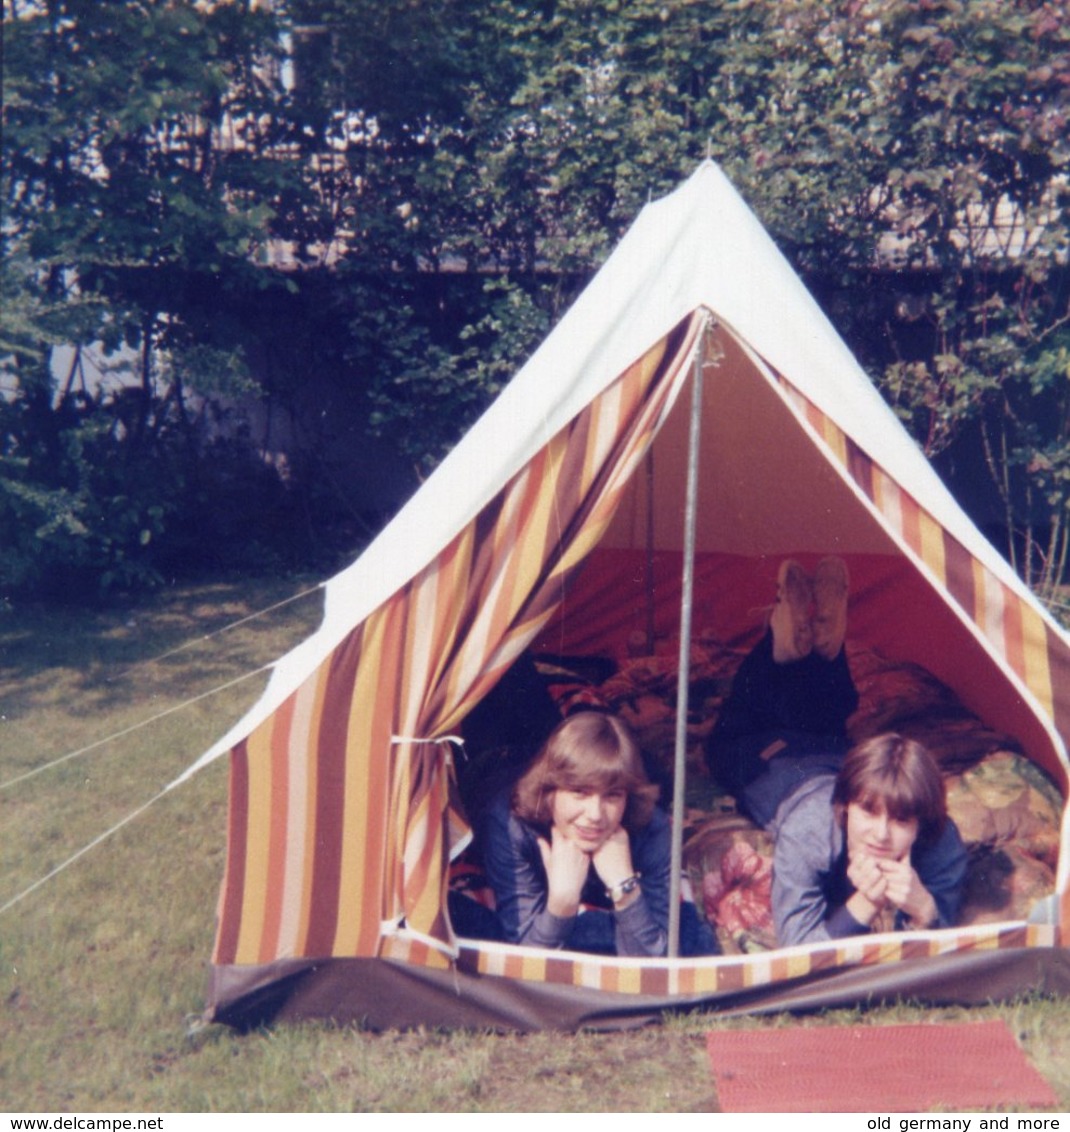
(516, 874)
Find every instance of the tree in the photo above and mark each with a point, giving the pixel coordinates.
(134, 177)
(974, 101)
(408, 195)
(912, 152)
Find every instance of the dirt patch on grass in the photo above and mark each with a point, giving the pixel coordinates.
(647, 1070)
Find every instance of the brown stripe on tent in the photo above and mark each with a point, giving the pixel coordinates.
(916, 948)
(829, 958)
(233, 879)
(910, 522)
(731, 977)
(959, 575)
(1014, 937)
(860, 468)
(330, 748)
(654, 980)
(560, 971)
(364, 881)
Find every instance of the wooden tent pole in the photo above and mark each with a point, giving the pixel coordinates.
(683, 671)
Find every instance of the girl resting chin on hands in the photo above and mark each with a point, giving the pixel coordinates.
(871, 848)
(578, 854)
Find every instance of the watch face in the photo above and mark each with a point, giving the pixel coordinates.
(622, 888)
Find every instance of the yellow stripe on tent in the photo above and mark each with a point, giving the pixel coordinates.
(1036, 658)
(257, 851)
(931, 545)
(304, 745)
(980, 576)
(295, 876)
(360, 877)
(279, 832)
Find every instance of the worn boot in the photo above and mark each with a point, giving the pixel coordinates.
(830, 607)
(790, 619)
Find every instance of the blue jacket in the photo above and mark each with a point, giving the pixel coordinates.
(810, 886)
(515, 870)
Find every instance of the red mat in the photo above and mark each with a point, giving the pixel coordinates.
(913, 1068)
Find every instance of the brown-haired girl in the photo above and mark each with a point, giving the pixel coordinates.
(578, 854)
(871, 847)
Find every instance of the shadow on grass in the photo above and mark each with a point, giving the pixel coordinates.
(159, 649)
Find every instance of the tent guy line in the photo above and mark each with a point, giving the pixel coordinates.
(100, 838)
(133, 727)
(186, 703)
(215, 633)
(86, 848)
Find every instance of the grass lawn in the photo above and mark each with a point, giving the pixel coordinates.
(103, 967)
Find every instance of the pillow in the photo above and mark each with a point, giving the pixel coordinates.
(905, 697)
(730, 861)
(1006, 800)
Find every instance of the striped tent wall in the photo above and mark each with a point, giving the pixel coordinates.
(340, 820)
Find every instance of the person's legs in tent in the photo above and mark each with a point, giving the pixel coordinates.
(785, 718)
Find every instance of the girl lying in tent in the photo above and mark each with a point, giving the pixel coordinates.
(578, 853)
(871, 849)
(862, 837)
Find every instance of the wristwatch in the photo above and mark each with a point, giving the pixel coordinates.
(622, 888)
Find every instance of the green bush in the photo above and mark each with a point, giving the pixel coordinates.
(96, 497)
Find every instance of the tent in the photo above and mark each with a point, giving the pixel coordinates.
(543, 529)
